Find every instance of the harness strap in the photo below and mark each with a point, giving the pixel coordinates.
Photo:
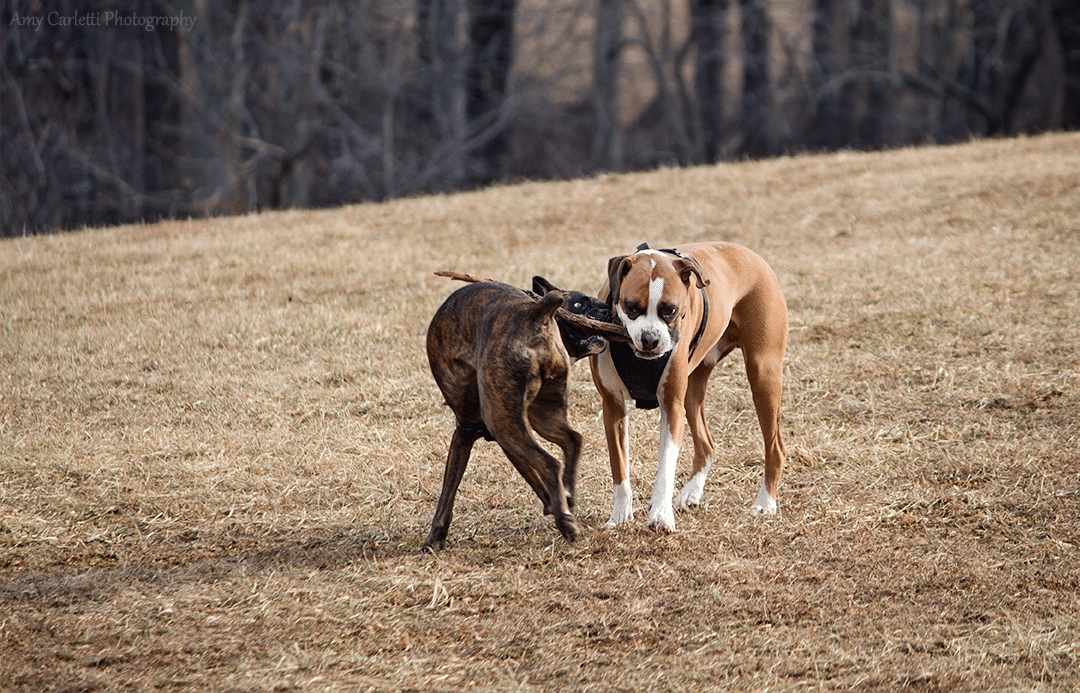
(704, 321)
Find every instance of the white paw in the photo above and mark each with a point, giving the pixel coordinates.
(764, 505)
(691, 493)
(759, 510)
(622, 505)
(662, 518)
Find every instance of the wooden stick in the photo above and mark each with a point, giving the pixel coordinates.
(462, 277)
(607, 330)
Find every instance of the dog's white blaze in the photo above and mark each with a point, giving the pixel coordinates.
(622, 505)
(661, 513)
(656, 292)
(765, 504)
(691, 493)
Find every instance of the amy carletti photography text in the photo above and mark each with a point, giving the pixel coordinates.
(108, 18)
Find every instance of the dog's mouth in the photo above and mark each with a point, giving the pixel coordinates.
(594, 346)
(653, 349)
(591, 346)
(579, 345)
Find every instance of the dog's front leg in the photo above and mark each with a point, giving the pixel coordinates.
(617, 428)
(661, 513)
(672, 395)
(613, 396)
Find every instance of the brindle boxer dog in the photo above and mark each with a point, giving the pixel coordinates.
(499, 359)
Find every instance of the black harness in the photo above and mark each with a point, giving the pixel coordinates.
(642, 376)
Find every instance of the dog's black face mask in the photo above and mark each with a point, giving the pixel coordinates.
(578, 342)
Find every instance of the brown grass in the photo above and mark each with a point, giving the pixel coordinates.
(220, 447)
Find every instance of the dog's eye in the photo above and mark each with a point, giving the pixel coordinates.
(633, 310)
(667, 312)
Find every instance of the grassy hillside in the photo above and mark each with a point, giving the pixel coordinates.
(220, 446)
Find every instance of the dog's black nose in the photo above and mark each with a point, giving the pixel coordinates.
(649, 342)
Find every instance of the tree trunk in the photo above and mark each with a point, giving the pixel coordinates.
(1066, 15)
(707, 33)
(607, 46)
(443, 73)
(827, 119)
(869, 95)
(491, 36)
(757, 96)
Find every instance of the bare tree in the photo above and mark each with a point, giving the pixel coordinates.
(758, 98)
(442, 73)
(997, 67)
(89, 130)
(826, 128)
(491, 39)
(868, 93)
(661, 133)
(1009, 38)
(253, 104)
(607, 48)
(1066, 17)
(708, 30)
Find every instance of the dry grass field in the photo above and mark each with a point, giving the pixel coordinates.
(220, 446)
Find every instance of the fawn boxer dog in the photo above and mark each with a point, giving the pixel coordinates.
(501, 362)
(685, 309)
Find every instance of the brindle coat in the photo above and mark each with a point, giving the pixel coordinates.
(500, 363)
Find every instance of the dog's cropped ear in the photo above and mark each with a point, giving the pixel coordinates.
(542, 286)
(687, 266)
(617, 268)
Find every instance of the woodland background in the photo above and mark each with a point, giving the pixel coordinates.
(272, 105)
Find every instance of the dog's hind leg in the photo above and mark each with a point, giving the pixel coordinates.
(766, 386)
(541, 471)
(456, 459)
(547, 416)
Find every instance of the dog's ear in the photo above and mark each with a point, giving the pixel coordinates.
(617, 268)
(687, 266)
(547, 305)
(541, 286)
